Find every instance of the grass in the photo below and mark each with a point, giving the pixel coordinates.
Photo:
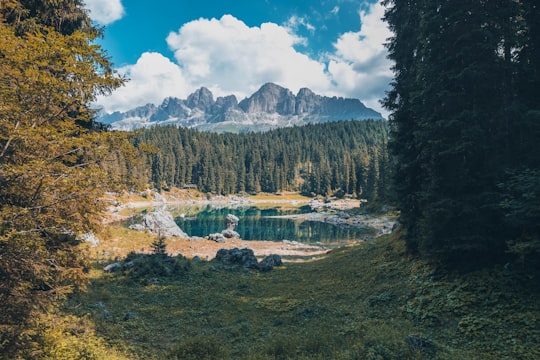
(368, 301)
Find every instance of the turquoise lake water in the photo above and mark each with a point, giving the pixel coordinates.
(257, 224)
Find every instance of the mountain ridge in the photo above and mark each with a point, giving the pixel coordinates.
(270, 107)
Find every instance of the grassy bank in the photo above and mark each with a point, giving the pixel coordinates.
(368, 301)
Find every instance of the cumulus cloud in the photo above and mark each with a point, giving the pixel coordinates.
(359, 65)
(229, 57)
(153, 78)
(105, 11)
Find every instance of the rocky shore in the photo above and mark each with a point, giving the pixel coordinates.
(334, 211)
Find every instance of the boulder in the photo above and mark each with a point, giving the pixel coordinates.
(138, 227)
(268, 263)
(90, 238)
(159, 197)
(161, 222)
(217, 237)
(231, 221)
(241, 257)
(229, 233)
(113, 267)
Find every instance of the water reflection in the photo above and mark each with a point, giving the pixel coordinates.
(256, 225)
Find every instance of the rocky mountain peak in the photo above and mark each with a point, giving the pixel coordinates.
(201, 99)
(272, 106)
(305, 92)
(270, 98)
(307, 102)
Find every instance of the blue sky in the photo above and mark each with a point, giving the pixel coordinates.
(172, 48)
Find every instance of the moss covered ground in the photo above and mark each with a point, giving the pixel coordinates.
(367, 301)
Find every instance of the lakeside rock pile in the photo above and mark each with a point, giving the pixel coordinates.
(230, 222)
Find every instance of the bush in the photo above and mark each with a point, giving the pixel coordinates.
(150, 266)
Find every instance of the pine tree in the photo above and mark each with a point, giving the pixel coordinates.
(50, 155)
(456, 107)
(159, 247)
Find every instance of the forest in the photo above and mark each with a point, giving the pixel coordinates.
(465, 126)
(458, 158)
(338, 158)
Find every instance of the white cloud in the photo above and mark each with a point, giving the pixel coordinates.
(335, 10)
(295, 22)
(105, 11)
(229, 57)
(153, 78)
(359, 65)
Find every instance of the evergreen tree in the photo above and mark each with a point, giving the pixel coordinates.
(50, 156)
(319, 159)
(455, 108)
(159, 247)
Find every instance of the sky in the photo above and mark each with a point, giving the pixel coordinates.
(172, 48)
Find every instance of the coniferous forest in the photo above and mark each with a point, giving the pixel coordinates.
(465, 126)
(340, 158)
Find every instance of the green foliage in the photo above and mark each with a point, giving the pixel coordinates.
(148, 268)
(346, 156)
(50, 178)
(64, 16)
(159, 247)
(461, 120)
(521, 201)
(70, 338)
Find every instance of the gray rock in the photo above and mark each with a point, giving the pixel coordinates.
(113, 267)
(90, 238)
(229, 233)
(138, 227)
(161, 222)
(231, 221)
(268, 263)
(159, 197)
(217, 237)
(241, 257)
(129, 315)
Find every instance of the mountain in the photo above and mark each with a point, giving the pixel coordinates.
(272, 106)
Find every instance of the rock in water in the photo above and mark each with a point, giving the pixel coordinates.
(161, 222)
(231, 221)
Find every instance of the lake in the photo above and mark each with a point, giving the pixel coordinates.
(258, 224)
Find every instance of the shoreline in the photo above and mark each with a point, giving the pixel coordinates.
(334, 212)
